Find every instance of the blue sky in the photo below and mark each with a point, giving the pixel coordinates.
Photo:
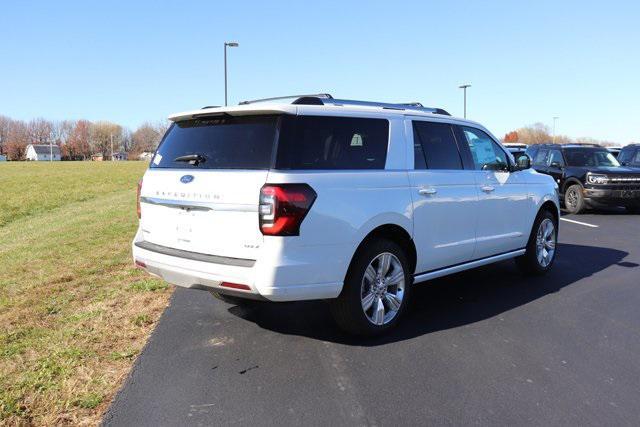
(141, 60)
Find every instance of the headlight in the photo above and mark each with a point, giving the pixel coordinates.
(597, 179)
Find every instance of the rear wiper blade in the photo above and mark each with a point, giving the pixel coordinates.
(192, 159)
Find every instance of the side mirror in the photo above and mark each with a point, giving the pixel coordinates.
(556, 165)
(523, 162)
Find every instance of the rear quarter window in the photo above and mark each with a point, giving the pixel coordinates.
(321, 142)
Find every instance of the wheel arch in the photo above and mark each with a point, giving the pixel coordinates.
(569, 182)
(395, 233)
(552, 208)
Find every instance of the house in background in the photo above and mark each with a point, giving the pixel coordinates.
(40, 152)
(119, 156)
(146, 155)
(98, 157)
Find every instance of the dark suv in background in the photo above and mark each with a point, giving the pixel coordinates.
(587, 176)
(630, 156)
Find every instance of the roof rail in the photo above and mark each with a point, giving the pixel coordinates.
(327, 99)
(414, 106)
(297, 98)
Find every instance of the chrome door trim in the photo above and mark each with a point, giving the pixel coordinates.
(189, 204)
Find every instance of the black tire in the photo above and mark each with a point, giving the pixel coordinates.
(529, 263)
(573, 199)
(633, 209)
(229, 299)
(347, 309)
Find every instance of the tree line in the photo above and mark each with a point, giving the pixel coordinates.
(78, 139)
(539, 133)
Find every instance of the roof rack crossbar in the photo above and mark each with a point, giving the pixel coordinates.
(316, 95)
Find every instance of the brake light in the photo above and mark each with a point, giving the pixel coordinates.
(283, 207)
(138, 199)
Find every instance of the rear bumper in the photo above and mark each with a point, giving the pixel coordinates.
(302, 274)
(612, 197)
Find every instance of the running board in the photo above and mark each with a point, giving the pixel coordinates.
(466, 266)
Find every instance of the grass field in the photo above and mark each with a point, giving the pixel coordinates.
(74, 313)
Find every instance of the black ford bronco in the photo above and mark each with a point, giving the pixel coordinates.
(587, 176)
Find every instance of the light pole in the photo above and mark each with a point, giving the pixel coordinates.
(464, 88)
(229, 44)
(554, 129)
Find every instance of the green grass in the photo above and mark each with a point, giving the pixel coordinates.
(74, 312)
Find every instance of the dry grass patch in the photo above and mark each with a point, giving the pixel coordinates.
(74, 313)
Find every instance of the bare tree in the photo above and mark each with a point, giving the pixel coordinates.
(537, 133)
(61, 131)
(77, 146)
(148, 136)
(40, 131)
(127, 141)
(17, 140)
(5, 125)
(102, 134)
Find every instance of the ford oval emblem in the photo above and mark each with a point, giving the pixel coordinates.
(186, 179)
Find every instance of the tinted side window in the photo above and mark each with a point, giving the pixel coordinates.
(555, 156)
(487, 155)
(625, 155)
(319, 142)
(532, 152)
(438, 144)
(418, 154)
(541, 158)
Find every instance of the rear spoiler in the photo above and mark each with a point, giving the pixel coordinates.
(236, 110)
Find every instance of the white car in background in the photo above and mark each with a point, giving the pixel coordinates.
(312, 197)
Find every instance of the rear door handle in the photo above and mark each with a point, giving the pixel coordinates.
(427, 191)
(487, 188)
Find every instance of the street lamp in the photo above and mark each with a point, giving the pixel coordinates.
(464, 88)
(554, 129)
(227, 44)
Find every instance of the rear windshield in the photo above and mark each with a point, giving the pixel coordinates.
(589, 157)
(218, 143)
(304, 143)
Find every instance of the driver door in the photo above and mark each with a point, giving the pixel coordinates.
(503, 200)
(555, 165)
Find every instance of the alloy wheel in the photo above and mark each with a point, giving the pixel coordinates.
(546, 242)
(572, 198)
(382, 289)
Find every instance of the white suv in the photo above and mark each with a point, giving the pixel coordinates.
(312, 197)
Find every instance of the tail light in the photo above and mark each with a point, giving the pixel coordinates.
(283, 207)
(138, 199)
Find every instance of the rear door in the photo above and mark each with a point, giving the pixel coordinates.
(202, 189)
(444, 198)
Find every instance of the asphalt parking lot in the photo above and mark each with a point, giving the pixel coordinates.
(484, 347)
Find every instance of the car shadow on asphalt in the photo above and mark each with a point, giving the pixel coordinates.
(444, 303)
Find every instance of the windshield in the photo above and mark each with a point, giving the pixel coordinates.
(218, 143)
(586, 157)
